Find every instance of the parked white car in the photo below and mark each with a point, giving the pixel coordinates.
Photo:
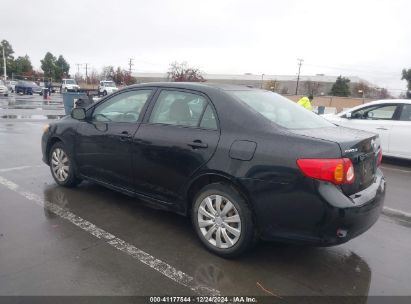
(391, 119)
(69, 85)
(3, 89)
(11, 84)
(106, 87)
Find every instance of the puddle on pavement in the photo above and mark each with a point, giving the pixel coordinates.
(35, 116)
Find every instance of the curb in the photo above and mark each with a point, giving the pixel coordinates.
(398, 214)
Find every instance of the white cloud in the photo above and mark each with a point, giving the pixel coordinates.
(365, 38)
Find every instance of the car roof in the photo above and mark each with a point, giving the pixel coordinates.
(197, 86)
(389, 101)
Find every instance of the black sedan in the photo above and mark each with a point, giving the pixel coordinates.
(244, 164)
(28, 88)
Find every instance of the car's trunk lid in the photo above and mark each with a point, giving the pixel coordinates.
(360, 147)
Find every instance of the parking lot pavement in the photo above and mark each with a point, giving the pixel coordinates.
(398, 173)
(92, 241)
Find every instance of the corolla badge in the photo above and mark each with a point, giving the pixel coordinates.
(351, 150)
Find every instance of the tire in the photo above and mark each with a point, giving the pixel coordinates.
(229, 244)
(104, 93)
(62, 166)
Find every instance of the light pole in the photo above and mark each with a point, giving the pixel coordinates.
(262, 80)
(4, 67)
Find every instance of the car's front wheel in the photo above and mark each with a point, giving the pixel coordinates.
(223, 220)
(62, 166)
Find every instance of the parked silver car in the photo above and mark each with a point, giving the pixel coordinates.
(3, 89)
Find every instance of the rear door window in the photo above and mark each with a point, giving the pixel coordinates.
(280, 110)
(406, 113)
(178, 108)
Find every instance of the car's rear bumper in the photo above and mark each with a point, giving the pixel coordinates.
(315, 213)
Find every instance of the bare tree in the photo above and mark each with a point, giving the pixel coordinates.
(361, 89)
(272, 85)
(284, 90)
(384, 94)
(107, 73)
(182, 72)
(312, 87)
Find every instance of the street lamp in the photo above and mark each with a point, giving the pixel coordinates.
(4, 65)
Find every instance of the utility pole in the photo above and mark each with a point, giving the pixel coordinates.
(86, 73)
(300, 62)
(78, 67)
(4, 67)
(130, 64)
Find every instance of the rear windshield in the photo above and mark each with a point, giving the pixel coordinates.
(281, 110)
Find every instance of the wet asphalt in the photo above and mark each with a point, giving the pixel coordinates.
(42, 253)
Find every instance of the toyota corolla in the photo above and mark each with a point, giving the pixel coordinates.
(243, 163)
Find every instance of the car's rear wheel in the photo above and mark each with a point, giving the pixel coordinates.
(223, 220)
(104, 93)
(62, 166)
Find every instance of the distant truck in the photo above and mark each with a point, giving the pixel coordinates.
(69, 85)
(106, 87)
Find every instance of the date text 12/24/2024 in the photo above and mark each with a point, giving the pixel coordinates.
(203, 299)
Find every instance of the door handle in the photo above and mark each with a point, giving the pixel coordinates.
(381, 128)
(124, 136)
(197, 144)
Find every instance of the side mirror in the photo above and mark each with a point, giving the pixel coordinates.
(78, 113)
(348, 115)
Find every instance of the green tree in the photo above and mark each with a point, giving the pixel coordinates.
(55, 68)
(22, 65)
(406, 75)
(341, 87)
(62, 68)
(48, 65)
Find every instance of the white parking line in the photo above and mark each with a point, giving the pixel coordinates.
(163, 268)
(19, 168)
(396, 169)
(396, 213)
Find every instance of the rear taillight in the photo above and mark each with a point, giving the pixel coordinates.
(379, 157)
(337, 171)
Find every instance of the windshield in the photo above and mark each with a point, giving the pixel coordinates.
(281, 110)
(109, 84)
(70, 81)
